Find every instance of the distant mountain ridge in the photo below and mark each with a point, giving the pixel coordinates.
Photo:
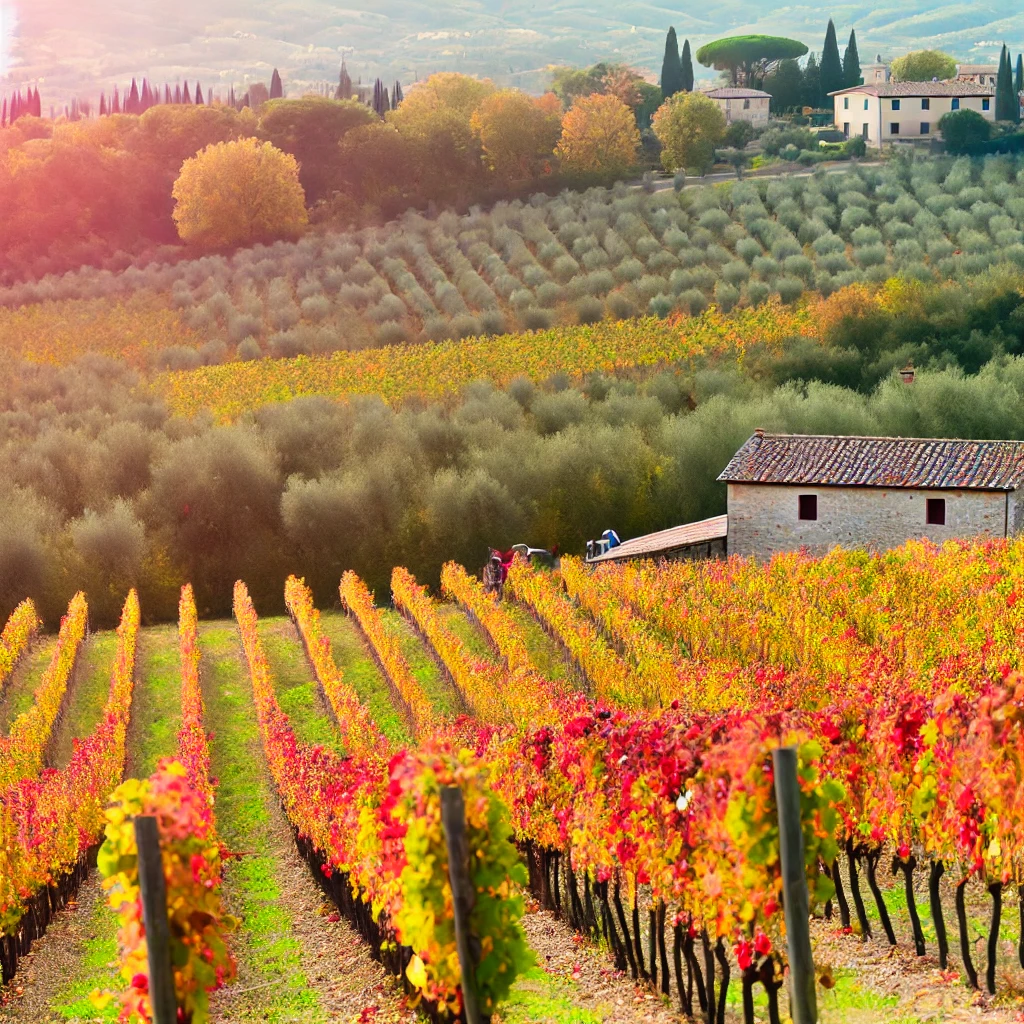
(79, 49)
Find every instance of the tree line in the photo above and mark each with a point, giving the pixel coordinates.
(105, 490)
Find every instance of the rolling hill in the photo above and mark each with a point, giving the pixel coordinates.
(79, 49)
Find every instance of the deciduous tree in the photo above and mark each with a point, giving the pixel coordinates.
(517, 133)
(599, 135)
(962, 130)
(923, 66)
(689, 126)
(239, 193)
(310, 129)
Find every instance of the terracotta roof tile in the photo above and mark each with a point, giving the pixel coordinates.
(878, 462)
(896, 89)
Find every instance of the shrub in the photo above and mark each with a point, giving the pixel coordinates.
(748, 250)
(757, 292)
(534, 319)
(694, 301)
(391, 333)
(465, 326)
(315, 308)
(621, 306)
(492, 321)
(766, 268)
(799, 266)
(564, 268)
(866, 236)
(629, 270)
(828, 243)
(870, 255)
(736, 272)
(660, 305)
(650, 285)
(249, 349)
(179, 357)
(726, 295)
(589, 310)
(786, 247)
(789, 288)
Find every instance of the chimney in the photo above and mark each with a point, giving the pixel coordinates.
(759, 431)
(907, 374)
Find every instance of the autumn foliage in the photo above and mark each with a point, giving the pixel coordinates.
(239, 193)
(599, 134)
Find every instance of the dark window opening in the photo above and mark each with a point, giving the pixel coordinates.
(935, 512)
(808, 505)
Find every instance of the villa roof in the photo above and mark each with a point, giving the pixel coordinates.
(877, 462)
(730, 92)
(896, 89)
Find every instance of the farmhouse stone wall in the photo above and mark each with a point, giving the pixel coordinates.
(763, 518)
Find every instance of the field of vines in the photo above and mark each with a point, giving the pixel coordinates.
(577, 258)
(611, 734)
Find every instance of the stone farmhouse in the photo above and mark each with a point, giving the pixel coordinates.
(739, 104)
(791, 492)
(983, 74)
(892, 112)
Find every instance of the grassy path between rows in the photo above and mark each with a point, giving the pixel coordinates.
(90, 688)
(19, 693)
(353, 658)
(78, 953)
(441, 694)
(295, 963)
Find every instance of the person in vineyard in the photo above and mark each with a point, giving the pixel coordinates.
(494, 575)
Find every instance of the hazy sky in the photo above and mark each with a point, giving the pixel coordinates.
(6, 35)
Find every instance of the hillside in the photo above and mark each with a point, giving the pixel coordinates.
(81, 48)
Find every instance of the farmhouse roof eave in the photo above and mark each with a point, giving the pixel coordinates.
(824, 460)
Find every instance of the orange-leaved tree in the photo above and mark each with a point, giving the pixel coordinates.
(599, 133)
(517, 132)
(239, 193)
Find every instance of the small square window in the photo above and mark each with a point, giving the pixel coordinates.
(926, 104)
(935, 512)
(925, 127)
(894, 128)
(955, 105)
(895, 104)
(808, 507)
(984, 103)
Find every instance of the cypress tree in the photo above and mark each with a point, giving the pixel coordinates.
(232, 102)
(686, 62)
(397, 96)
(186, 96)
(115, 104)
(1004, 88)
(812, 82)
(831, 73)
(851, 63)
(199, 95)
(103, 104)
(671, 68)
(1018, 83)
(276, 86)
(3, 114)
(132, 104)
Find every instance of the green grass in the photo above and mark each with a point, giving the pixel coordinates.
(546, 654)
(152, 734)
(360, 671)
(245, 793)
(88, 695)
(472, 636)
(19, 694)
(540, 998)
(439, 691)
(156, 706)
(297, 690)
(96, 970)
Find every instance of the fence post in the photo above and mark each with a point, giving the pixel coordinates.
(803, 995)
(453, 819)
(153, 888)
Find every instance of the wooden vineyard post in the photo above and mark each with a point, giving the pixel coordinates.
(453, 820)
(794, 888)
(153, 889)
